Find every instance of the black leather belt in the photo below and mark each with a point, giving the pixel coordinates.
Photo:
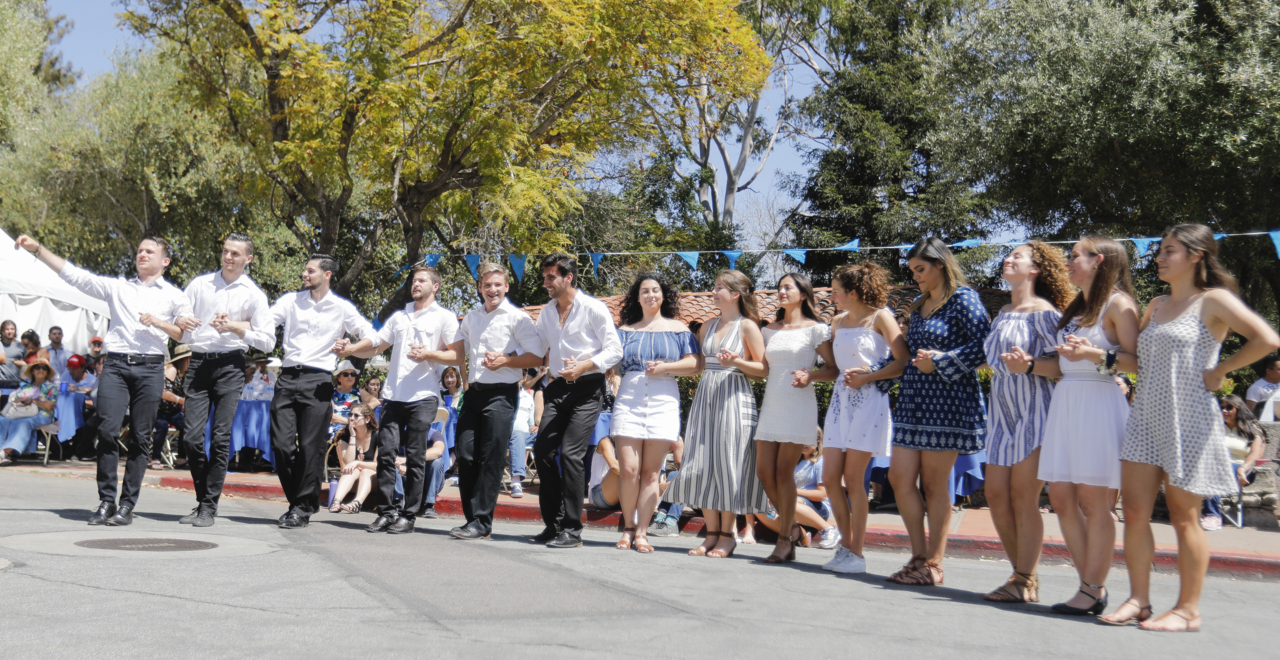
(136, 358)
(294, 371)
(218, 356)
(492, 386)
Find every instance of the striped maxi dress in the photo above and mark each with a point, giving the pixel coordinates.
(719, 468)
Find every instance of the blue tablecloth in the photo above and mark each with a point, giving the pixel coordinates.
(70, 413)
(251, 428)
(451, 426)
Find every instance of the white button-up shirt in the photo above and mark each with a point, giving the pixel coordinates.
(58, 360)
(588, 334)
(311, 328)
(128, 300)
(240, 300)
(434, 328)
(507, 330)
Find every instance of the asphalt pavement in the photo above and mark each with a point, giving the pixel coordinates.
(333, 590)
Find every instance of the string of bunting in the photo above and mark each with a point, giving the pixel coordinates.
(518, 262)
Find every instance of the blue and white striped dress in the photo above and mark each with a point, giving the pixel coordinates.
(1019, 402)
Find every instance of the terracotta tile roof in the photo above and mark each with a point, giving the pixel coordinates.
(697, 307)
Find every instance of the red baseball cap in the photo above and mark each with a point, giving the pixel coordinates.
(75, 362)
(97, 340)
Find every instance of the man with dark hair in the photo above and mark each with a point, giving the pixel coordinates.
(1264, 387)
(11, 352)
(497, 340)
(146, 311)
(582, 344)
(234, 315)
(58, 354)
(313, 319)
(418, 337)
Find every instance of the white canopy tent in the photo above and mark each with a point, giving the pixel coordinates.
(35, 298)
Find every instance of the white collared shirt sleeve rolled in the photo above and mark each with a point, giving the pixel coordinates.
(607, 334)
(449, 330)
(353, 322)
(527, 336)
(262, 327)
(181, 304)
(88, 283)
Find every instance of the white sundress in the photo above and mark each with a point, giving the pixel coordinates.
(790, 414)
(859, 419)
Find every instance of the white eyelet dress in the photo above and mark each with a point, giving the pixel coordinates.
(790, 414)
(1087, 416)
(859, 419)
(1176, 423)
(1019, 402)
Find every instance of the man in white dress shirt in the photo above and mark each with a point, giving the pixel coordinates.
(234, 315)
(498, 340)
(313, 319)
(418, 336)
(582, 343)
(146, 311)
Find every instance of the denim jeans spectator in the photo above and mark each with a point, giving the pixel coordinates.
(520, 442)
(17, 434)
(435, 479)
(163, 424)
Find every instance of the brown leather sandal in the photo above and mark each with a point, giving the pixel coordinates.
(701, 551)
(641, 545)
(1020, 588)
(721, 554)
(928, 574)
(907, 569)
(624, 544)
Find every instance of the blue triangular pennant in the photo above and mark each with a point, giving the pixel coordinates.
(851, 246)
(473, 260)
(517, 264)
(432, 260)
(595, 262)
(1218, 237)
(794, 253)
(1275, 238)
(1142, 246)
(690, 258)
(967, 243)
(733, 257)
(397, 275)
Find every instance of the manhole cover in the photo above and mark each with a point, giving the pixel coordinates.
(147, 545)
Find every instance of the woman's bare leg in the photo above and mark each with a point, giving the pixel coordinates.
(345, 482)
(833, 460)
(1100, 542)
(999, 491)
(766, 471)
(1140, 484)
(364, 485)
(1193, 559)
(935, 473)
(855, 471)
(784, 476)
(652, 457)
(904, 472)
(1063, 496)
(628, 454)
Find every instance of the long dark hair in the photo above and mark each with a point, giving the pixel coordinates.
(1209, 272)
(1112, 276)
(1246, 424)
(631, 310)
(806, 289)
(370, 422)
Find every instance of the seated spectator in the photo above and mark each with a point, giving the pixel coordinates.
(602, 490)
(454, 389)
(344, 394)
(358, 456)
(32, 350)
(259, 383)
(813, 511)
(371, 393)
(58, 354)
(523, 430)
(435, 450)
(95, 349)
(436, 468)
(172, 399)
(78, 377)
(666, 520)
(1246, 442)
(30, 407)
(11, 353)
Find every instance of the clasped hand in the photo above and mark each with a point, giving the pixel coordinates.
(1076, 349)
(1016, 360)
(800, 378)
(855, 377)
(494, 360)
(573, 369)
(924, 360)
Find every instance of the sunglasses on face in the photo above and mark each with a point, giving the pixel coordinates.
(1228, 409)
(355, 416)
(348, 374)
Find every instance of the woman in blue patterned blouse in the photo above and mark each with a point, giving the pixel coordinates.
(940, 411)
(656, 347)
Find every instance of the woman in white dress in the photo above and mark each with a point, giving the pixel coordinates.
(1024, 329)
(1080, 454)
(789, 413)
(1176, 435)
(656, 347)
(868, 346)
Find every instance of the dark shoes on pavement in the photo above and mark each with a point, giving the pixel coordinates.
(195, 513)
(382, 523)
(203, 517)
(402, 525)
(547, 535)
(124, 516)
(105, 510)
(293, 521)
(469, 532)
(566, 539)
(429, 511)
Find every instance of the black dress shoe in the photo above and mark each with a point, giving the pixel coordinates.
(105, 510)
(294, 521)
(566, 539)
(469, 532)
(204, 518)
(191, 517)
(124, 516)
(402, 525)
(382, 523)
(429, 511)
(547, 535)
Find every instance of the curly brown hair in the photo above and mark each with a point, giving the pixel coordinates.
(869, 280)
(1052, 283)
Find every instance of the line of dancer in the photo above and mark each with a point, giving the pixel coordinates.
(1055, 413)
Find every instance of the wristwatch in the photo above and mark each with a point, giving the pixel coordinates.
(1108, 364)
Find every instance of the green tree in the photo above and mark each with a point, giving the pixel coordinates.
(21, 44)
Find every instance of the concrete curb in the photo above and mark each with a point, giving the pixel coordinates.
(1222, 564)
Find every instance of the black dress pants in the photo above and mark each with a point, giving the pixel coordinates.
(300, 414)
(211, 383)
(484, 433)
(407, 424)
(568, 419)
(135, 388)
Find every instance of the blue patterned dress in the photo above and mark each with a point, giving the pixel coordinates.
(944, 410)
(1019, 402)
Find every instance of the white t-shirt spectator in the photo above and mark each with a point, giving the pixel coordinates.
(523, 418)
(599, 468)
(1261, 390)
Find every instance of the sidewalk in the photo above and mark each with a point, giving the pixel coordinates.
(1242, 553)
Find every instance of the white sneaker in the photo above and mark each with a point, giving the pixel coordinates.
(1211, 523)
(852, 564)
(840, 555)
(830, 538)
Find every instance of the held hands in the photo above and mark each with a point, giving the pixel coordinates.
(924, 360)
(728, 358)
(341, 347)
(187, 323)
(148, 320)
(418, 352)
(573, 369)
(494, 361)
(800, 378)
(1017, 360)
(1078, 348)
(655, 368)
(856, 377)
(1214, 379)
(221, 322)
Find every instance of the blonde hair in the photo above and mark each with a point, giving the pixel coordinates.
(1112, 276)
(817, 452)
(735, 280)
(934, 251)
(487, 268)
